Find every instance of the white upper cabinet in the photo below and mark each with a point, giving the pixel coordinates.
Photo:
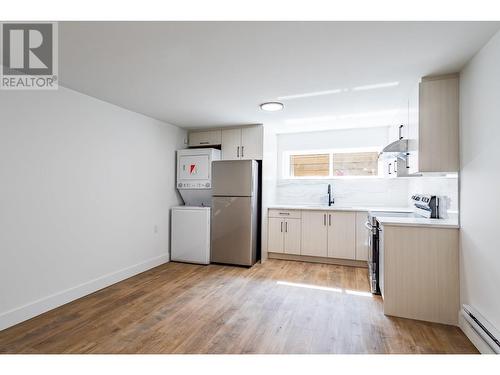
(231, 144)
(205, 138)
(399, 129)
(242, 143)
(433, 117)
(252, 142)
(413, 127)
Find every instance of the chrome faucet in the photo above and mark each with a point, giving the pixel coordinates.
(331, 200)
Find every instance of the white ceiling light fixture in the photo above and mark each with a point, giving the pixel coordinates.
(375, 86)
(272, 106)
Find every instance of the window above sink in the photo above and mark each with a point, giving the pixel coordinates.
(333, 163)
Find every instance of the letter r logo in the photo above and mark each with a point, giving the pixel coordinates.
(27, 49)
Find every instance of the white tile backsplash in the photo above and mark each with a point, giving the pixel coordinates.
(368, 192)
(444, 187)
(346, 192)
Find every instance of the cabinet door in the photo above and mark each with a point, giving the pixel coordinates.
(276, 229)
(413, 131)
(204, 138)
(438, 124)
(314, 233)
(251, 142)
(292, 236)
(342, 235)
(362, 234)
(385, 166)
(231, 144)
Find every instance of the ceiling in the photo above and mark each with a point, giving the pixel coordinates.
(202, 74)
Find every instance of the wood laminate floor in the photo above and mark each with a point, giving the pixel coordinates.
(275, 307)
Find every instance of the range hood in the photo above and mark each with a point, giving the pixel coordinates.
(398, 147)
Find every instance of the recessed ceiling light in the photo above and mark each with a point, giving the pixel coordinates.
(271, 106)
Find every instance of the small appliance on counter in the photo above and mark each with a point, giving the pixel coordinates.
(426, 205)
(235, 212)
(190, 228)
(423, 206)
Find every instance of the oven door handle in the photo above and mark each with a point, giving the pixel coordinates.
(368, 226)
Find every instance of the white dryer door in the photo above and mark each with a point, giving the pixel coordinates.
(193, 167)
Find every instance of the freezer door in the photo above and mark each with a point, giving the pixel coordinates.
(234, 230)
(234, 178)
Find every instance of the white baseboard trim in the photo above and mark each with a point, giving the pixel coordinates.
(473, 336)
(32, 309)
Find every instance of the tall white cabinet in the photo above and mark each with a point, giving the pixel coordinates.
(433, 117)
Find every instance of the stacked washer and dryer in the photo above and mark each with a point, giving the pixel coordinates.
(191, 222)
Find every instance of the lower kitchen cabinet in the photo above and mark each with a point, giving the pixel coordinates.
(318, 233)
(314, 233)
(275, 238)
(362, 236)
(342, 235)
(284, 235)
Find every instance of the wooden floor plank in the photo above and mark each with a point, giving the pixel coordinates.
(276, 307)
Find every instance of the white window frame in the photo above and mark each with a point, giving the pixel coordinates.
(285, 158)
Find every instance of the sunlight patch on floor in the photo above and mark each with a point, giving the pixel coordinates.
(325, 288)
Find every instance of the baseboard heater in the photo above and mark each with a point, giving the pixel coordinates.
(483, 328)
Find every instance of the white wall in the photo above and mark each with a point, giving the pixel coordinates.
(269, 174)
(83, 185)
(480, 181)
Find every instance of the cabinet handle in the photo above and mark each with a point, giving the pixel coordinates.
(396, 166)
(406, 160)
(284, 213)
(242, 148)
(400, 128)
(204, 143)
(324, 220)
(286, 226)
(389, 168)
(281, 227)
(238, 151)
(330, 219)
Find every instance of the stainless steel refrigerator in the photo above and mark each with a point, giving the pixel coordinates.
(234, 212)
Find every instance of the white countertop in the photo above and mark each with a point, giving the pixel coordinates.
(419, 222)
(451, 222)
(338, 208)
